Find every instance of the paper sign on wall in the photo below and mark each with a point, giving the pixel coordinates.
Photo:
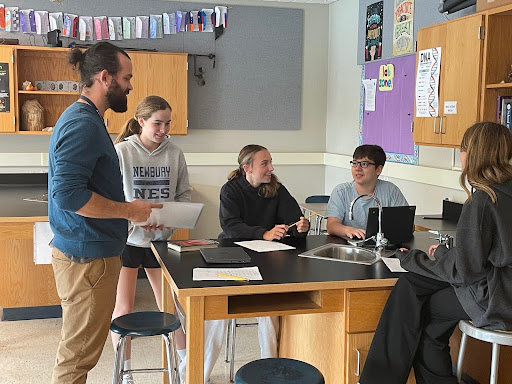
(450, 107)
(386, 77)
(369, 94)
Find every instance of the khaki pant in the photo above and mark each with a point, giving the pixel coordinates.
(88, 294)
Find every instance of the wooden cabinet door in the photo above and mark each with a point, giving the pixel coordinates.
(426, 129)
(7, 123)
(167, 77)
(358, 345)
(115, 121)
(461, 64)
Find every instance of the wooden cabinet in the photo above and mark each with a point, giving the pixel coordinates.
(459, 81)
(23, 283)
(7, 112)
(162, 74)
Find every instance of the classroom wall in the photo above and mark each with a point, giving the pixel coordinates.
(342, 121)
(29, 153)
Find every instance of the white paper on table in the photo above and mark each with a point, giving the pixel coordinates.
(175, 214)
(250, 273)
(370, 86)
(393, 264)
(264, 245)
(42, 237)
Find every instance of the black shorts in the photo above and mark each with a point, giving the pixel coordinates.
(133, 257)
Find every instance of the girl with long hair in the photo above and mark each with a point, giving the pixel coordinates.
(153, 169)
(472, 281)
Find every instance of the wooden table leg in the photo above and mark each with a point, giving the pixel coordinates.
(195, 340)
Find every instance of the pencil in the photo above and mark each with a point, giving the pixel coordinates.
(232, 277)
(313, 214)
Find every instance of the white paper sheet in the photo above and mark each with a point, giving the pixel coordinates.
(250, 273)
(370, 86)
(393, 264)
(42, 237)
(175, 215)
(264, 245)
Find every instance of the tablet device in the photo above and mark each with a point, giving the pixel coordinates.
(397, 223)
(225, 255)
(175, 214)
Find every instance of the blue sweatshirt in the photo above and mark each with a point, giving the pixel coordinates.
(82, 160)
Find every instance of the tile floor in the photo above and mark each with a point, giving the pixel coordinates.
(27, 350)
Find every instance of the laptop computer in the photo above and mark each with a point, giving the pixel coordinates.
(225, 255)
(397, 223)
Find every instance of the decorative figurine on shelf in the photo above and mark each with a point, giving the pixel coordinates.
(510, 74)
(27, 86)
(32, 116)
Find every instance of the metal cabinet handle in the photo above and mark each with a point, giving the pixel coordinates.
(358, 368)
(441, 125)
(435, 120)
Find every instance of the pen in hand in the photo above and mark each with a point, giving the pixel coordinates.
(297, 222)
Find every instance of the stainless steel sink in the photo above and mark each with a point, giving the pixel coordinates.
(346, 253)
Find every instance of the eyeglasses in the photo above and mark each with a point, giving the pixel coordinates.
(363, 164)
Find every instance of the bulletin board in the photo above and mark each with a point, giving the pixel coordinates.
(390, 124)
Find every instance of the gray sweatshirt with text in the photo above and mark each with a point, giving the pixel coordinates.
(158, 176)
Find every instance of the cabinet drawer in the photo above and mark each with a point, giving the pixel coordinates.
(364, 309)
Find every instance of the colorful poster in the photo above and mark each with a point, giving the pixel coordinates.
(373, 47)
(427, 82)
(403, 28)
(386, 77)
(5, 104)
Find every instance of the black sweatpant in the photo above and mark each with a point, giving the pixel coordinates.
(414, 330)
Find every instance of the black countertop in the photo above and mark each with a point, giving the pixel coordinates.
(282, 267)
(13, 205)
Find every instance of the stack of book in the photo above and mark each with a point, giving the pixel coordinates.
(504, 111)
(191, 245)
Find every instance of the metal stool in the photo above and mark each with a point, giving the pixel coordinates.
(497, 338)
(141, 324)
(278, 371)
(230, 349)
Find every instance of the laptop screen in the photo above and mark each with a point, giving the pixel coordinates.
(397, 223)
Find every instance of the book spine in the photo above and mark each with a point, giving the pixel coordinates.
(508, 115)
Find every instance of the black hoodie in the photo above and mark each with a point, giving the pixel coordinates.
(244, 214)
(480, 266)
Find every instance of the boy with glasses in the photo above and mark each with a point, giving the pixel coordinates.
(367, 164)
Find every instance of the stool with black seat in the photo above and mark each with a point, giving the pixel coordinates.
(317, 199)
(497, 338)
(140, 324)
(230, 344)
(278, 371)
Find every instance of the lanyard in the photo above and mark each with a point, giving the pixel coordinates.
(89, 101)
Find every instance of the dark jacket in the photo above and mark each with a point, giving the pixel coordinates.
(480, 266)
(246, 215)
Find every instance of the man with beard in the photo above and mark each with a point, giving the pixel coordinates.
(87, 211)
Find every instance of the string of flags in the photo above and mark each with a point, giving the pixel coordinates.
(86, 28)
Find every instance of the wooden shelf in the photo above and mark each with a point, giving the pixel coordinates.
(34, 133)
(498, 86)
(49, 93)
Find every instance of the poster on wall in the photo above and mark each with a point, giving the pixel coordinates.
(403, 29)
(427, 82)
(5, 105)
(373, 46)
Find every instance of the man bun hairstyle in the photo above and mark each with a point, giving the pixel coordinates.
(100, 56)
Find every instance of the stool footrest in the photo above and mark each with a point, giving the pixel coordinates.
(144, 370)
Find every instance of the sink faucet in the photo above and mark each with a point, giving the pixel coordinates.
(443, 239)
(380, 240)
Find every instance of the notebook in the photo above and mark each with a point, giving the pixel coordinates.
(397, 223)
(225, 255)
